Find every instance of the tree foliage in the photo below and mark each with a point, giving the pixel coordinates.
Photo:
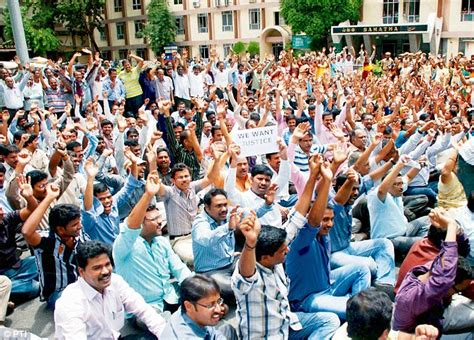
(80, 17)
(315, 17)
(161, 26)
(253, 48)
(239, 47)
(39, 30)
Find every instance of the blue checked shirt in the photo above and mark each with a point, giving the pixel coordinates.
(263, 309)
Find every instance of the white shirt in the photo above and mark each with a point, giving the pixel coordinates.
(465, 218)
(197, 83)
(181, 86)
(467, 151)
(84, 313)
(164, 87)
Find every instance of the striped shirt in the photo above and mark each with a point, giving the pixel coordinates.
(179, 153)
(56, 98)
(301, 158)
(181, 208)
(263, 309)
(131, 83)
(56, 264)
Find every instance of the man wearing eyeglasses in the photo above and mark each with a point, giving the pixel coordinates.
(201, 309)
(144, 258)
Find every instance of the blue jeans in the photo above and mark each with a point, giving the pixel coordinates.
(290, 202)
(346, 282)
(24, 279)
(416, 230)
(316, 326)
(425, 190)
(378, 255)
(51, 300)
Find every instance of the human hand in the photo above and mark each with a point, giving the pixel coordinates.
(301, 130)
(426, 332)
(25, 186)
(153, 183)
(52, 191)
(91, 168)
(271, 194)
(250, 228)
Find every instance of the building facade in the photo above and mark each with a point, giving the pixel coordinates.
(202, 24)
(437, 26)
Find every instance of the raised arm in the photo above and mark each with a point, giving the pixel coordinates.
(91, 170)
(317, 210)
(32, 237)
(137, 215)
(250, 228)
(345, 191)
(390, 178)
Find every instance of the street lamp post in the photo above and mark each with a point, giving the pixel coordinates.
(18, 31)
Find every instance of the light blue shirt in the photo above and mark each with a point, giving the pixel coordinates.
(387, 219)
(105, 227)
(180, 326)
(148, 268)
(213, 244)
(117, 92)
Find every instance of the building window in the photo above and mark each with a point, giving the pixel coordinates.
(138, 28)
(102, 32)
(204, 51)
(411, 10)
(227, 49)
(202, 23)
(180, 24)
(178, 2)
(120, 30)
(140, 53)
(136, 4)
(123, 54)
(390, 11)
(467, 10)
(254, 19)
(117, 5)
(227, 24)
(279, 21)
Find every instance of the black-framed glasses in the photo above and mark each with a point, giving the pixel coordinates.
(219, 303)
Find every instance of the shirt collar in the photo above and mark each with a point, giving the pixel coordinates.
(88, 291)
(198, 330)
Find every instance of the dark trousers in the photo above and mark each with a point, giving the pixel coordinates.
(133, 104)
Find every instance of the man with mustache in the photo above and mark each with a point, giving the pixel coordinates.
(94, 307)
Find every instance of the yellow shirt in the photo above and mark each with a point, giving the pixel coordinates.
(130, 81)
(451, 194)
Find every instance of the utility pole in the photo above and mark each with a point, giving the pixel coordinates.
(18, 31)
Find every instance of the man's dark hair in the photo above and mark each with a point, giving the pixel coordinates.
(365, 115)
(213, 193)
(30, 140)
(162, 149)
(61, 214)
(2, 168)
(90, 249)
(209, 114)
(112, 70)
(132, 130)
(36, 176)
(183, 136)
(106, 122)
(261, 169)
(470, 201)
(463, 270)
(131, 143)
(100, 188)
(179, 167)
(290, 116)
(352, 134)
(269, 155)
(269, 241)
(214, 129)
(196, 287)
(12, 148)
(17, 135)
(71, 145)
(368, 314)
(255, 117)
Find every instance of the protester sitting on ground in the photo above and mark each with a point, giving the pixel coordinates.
(420, 296)
(201, 309)
(369, 317)
(55, 254)
(144, 258)
(94, 307)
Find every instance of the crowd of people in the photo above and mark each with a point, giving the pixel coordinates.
(124, 195)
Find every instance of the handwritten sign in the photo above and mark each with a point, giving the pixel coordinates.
(257, 141)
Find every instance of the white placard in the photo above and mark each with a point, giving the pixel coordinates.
(258, 141)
